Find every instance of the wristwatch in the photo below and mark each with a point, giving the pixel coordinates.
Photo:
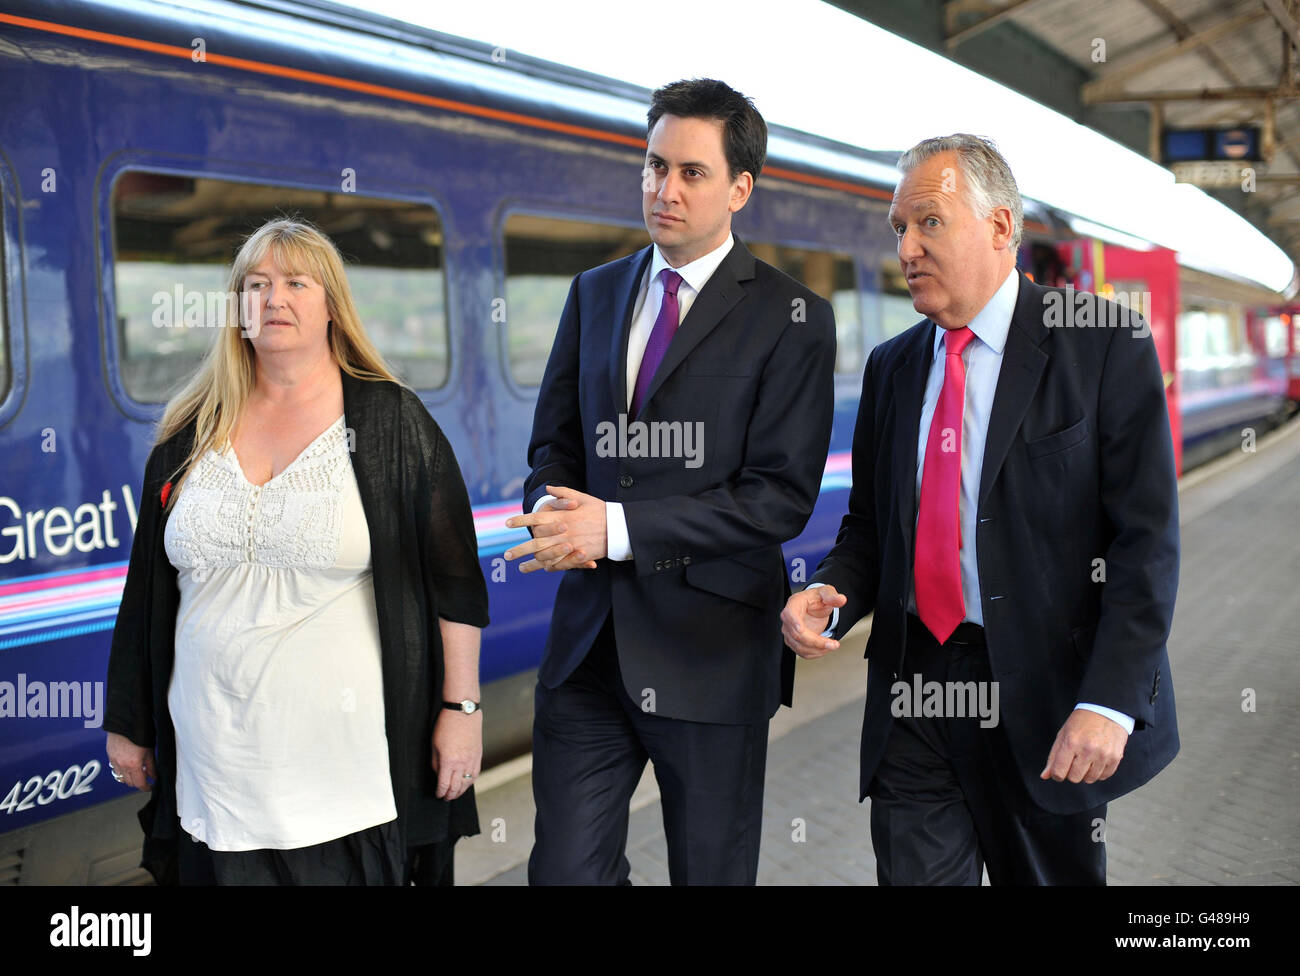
(466, 706)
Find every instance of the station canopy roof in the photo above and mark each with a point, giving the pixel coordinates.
(1134, 69)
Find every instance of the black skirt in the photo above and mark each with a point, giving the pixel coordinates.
(374, 856)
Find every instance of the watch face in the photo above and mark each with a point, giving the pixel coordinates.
(468, 707)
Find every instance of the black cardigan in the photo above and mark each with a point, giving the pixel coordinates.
(425, 566)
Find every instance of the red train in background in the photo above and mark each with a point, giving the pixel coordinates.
(1230, 354)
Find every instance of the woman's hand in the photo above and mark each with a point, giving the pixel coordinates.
(457, 751)
(129, 763)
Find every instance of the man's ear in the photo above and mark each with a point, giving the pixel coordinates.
(1004, 227)
(741, 188)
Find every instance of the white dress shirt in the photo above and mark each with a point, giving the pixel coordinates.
(983, 359)
(649, 299)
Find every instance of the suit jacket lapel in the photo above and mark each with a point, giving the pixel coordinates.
(1023, 362)
(622, 301)
(719, 296)
(908, 390)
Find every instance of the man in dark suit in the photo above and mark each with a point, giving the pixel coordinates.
(679, 439)
(1013, 525)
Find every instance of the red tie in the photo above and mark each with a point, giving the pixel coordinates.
(939, 602)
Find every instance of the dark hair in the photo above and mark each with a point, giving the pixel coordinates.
(744, 139)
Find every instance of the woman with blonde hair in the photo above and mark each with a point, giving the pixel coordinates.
(295, 660)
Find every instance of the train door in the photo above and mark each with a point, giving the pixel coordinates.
(1291, 318)
(1278, 334)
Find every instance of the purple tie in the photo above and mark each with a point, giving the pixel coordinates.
(660, 336)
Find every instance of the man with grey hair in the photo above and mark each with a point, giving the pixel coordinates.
(1013, 525)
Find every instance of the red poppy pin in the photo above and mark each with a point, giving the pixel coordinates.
(166, 492)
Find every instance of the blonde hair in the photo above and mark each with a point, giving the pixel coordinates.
(215, 397)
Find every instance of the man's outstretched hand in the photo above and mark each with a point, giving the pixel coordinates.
(806, 615)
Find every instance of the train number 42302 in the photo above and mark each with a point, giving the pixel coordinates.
(57, 785)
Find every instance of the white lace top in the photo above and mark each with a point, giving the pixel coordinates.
(277, 690)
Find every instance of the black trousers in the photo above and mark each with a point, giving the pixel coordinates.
(948, 799)
(590, 746)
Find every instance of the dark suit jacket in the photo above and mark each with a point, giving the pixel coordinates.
(697, 610)
(1078, 466)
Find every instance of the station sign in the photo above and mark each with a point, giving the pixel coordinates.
(1208, 174)
(1241, 144)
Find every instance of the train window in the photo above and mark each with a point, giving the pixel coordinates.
(831, 276)
(1212, 347)
(543, 256)
(1132, 295)
(1206, 336)
(1275, 337)
(896, 312)
(175, 236)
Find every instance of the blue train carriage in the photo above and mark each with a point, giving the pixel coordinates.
(464, 191)
(466, 186)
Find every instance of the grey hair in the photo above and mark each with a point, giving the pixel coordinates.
(989, 182)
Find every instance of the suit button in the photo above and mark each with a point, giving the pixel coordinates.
(625, 481)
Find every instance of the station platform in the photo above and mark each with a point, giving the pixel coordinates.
(1225, 812)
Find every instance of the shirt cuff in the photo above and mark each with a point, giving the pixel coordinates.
(1126, 721)
(542, 501)
(835, 612)
(618, 546)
